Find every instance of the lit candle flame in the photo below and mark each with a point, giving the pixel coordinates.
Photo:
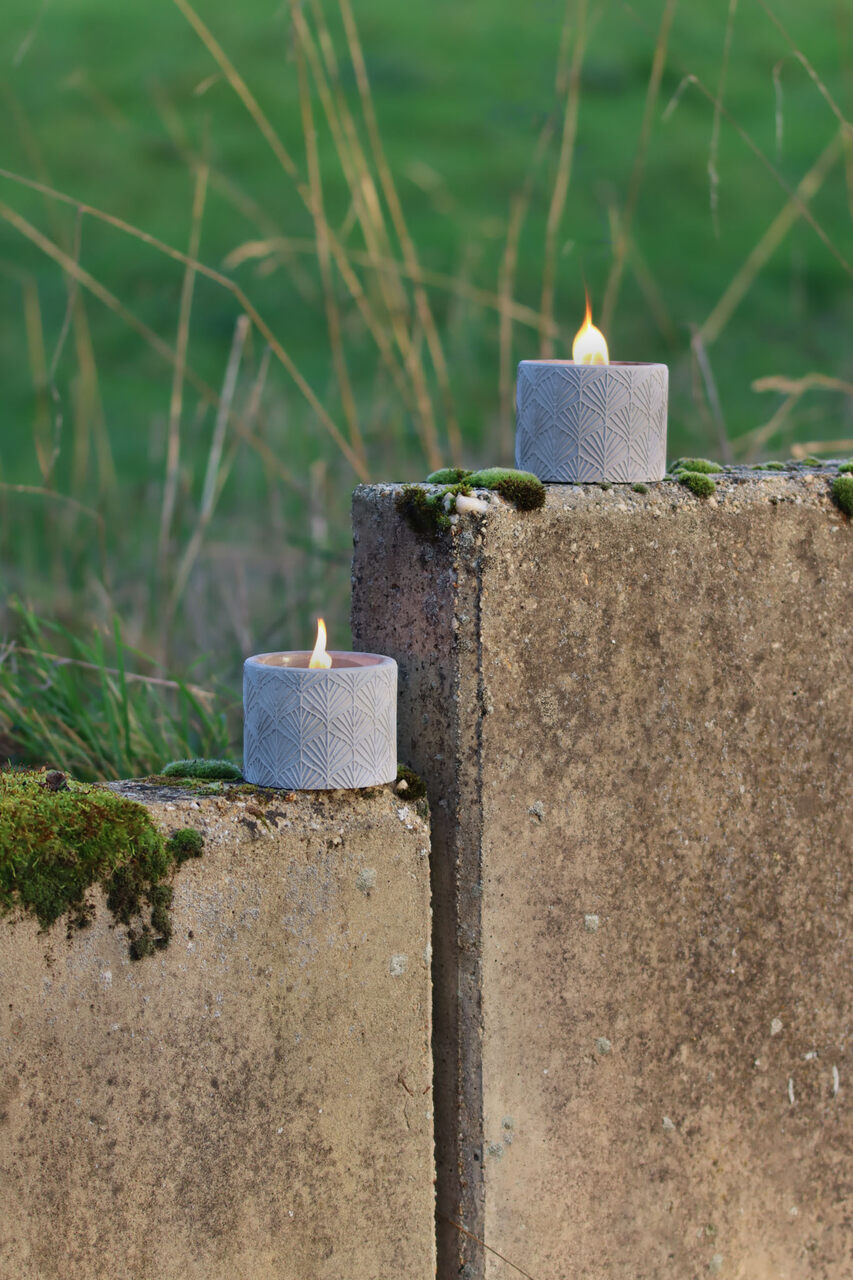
(590, 345)
(319, 658)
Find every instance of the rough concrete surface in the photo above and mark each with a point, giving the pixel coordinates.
(252, 1103)
(635, 716)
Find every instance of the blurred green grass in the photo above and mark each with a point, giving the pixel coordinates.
(118, 105)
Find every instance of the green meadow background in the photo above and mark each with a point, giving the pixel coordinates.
(330, 234)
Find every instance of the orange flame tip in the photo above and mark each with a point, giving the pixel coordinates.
(319, 658)
(590, 345)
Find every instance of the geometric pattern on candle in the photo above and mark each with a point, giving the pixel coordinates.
(319, 730)
(583, 423)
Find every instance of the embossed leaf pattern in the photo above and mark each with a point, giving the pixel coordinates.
(587, 423)
(319, 730)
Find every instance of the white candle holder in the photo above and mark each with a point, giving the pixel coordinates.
(319, 729)
(582, 423)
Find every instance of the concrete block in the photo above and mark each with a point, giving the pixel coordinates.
(254, 1101)
(635, 716)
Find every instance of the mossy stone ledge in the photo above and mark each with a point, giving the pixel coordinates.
(697, 466)
(698, 482)
(523, 489)
(428, 511)
(58, 842)
(842, 493)
(205, 770)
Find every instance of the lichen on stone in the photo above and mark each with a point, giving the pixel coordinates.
(59, 842)
(842, 493)
(206, 770)
(523, 489)
(697, 482)
(697, 466)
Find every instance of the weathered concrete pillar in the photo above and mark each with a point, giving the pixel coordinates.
(252, 1103)
(635, 715)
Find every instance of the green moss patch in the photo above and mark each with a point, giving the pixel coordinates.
(415, 788)
(845, 467)
(423, 512)
(427, 512)
(697, 466)
(842, 493)
(639, 487)
(769, 466)
(697, 482)
(525, 490)
(205, 770)
(58, 841)
(448, 475)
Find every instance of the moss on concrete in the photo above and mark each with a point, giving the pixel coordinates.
(525, 490)
(769, 466)
(448, 475)
(424, 512)
(415, 787)
(427, 513)
(639, 487)
(845, 467)
(697, 466)
(206, 770)
(58, 842)
(698, 482)
(186, 843)
(842, 493)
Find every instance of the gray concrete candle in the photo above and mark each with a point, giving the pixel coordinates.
(319, 729)
(581, 423)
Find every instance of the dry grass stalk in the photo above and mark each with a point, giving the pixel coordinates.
(211, 487)
(620, 249)
(742, 281)
(809, 447)
(45, 441)
(561, 184)
(846, 126)
(410, 256)
(176, 400)
(488, 1248)
(132, 677)
(691, 79)
(324, 258)
(289, 166)
(713, 150)
(366, 210)
(94, 286)
(713, 397)
(455, 285)
(793, 389)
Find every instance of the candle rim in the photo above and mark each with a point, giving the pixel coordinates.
(373, 660)
(631, 364)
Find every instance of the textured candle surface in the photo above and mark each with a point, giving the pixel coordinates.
(585, 423)
(319, 729)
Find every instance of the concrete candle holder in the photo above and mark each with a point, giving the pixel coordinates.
(319, 729)
(581, 423)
